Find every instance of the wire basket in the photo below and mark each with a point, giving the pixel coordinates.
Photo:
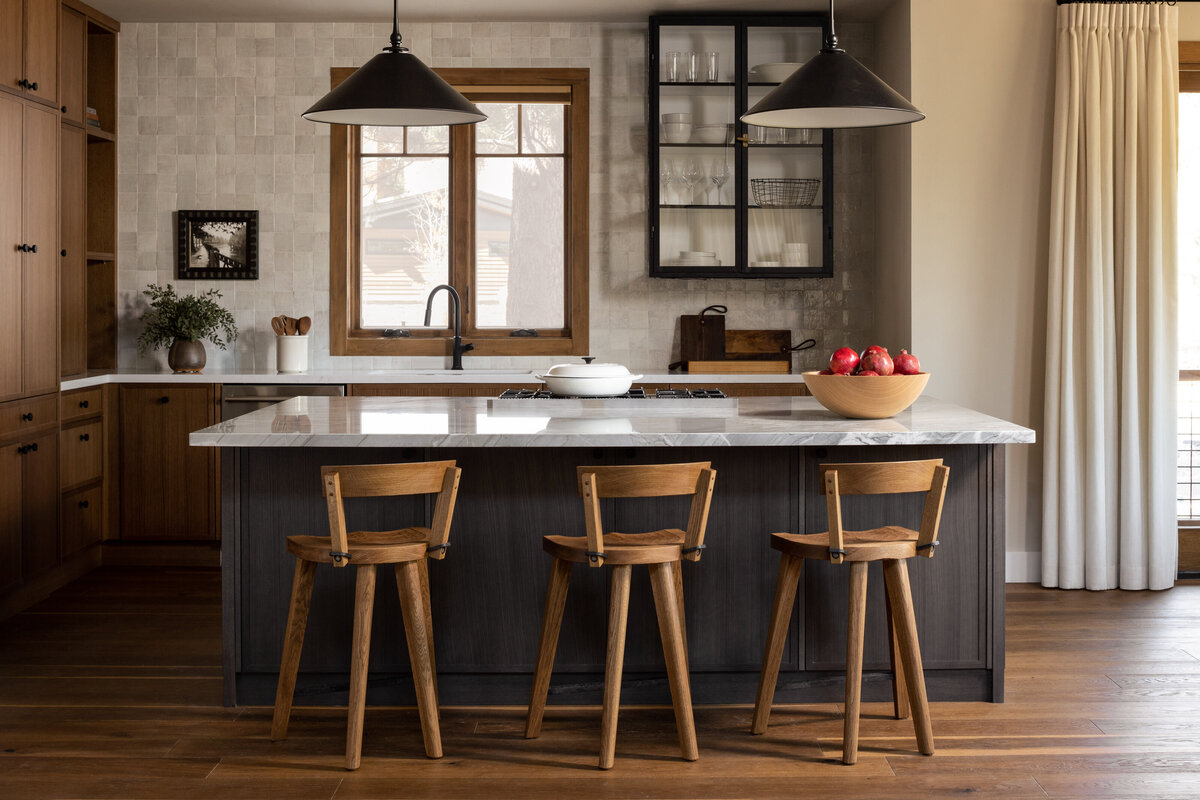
(785, 192)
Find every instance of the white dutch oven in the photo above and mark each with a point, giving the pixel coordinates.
(588, 380)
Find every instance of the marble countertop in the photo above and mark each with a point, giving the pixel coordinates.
(478, 422)
(507, 376)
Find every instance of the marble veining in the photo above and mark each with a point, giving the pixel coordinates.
(468, 422)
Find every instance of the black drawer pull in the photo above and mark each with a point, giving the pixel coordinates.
(33, 86)
(83, 403)
(23, 83)
(26, 448)
(27, 416)
(33, 248)
(162, 401)
(23, 248)
(83, 437)
(33, 447)
(83, 503)
(64, 109)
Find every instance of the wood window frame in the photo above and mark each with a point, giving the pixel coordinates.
(347, 338)
(1189, 66)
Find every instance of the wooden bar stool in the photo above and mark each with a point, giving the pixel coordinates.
(407, 549)
(892, 545)
(662, 552)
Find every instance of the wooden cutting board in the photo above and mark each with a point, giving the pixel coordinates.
(702, 336)
(758, 345)
(742, 366)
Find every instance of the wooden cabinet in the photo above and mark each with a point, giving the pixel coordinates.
(168, 489)
(82, 520)
(72, 65)
(28, 249)
(29, 48)
(29, 493)
(73, 271)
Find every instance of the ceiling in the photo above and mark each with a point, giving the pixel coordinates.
(452, 10)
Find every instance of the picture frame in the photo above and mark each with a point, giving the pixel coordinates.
(216, 245)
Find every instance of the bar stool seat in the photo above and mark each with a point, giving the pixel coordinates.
(621, 548)
(369, 547)
(890, 541)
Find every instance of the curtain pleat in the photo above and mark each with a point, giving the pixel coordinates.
(1109, 488)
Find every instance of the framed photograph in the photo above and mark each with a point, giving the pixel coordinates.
(217, 244)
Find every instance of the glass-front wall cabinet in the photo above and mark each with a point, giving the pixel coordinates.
(729, 199)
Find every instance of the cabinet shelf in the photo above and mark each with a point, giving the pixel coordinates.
(97, 255)
(99, 134)
(696, 83)
(692, 144)
(701, 206)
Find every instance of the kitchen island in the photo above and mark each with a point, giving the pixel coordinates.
(518, 460)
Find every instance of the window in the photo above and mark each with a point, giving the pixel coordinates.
(498, 210)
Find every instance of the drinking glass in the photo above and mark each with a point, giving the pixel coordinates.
(691, 176)
(712, 67)
(691, 66)
(671, 66)
(666, 176)
(719, 175)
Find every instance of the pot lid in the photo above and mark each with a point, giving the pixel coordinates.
(588, 370)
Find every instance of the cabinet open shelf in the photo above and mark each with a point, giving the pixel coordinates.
(100, 134)
(97, 255)
(696, 206)
(696, 83)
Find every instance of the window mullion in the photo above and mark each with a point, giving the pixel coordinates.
(462, 210)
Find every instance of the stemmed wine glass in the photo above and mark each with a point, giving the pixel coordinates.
(691, 176)
(666, 176)
(719, 174)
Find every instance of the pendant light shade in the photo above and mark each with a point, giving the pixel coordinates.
(394, 88)
(832, 90)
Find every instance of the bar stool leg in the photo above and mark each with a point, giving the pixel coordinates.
(423, 566)
(420, 653)
(364, 603)
(677, 579)
(293, 642)
(895, 573)
(618, 613)
(899, 686)
(781, 617)
(854, 653)
(666, 604)
(556, 601)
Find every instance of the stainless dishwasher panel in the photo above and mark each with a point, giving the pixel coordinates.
(242, 398)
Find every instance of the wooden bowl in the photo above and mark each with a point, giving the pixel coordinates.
(870, 397)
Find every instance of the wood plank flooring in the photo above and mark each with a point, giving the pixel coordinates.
(111, 689)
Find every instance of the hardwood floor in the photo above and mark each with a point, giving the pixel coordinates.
(111, 689)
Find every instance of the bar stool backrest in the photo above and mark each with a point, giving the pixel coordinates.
(651, 480)
(888, 477)
(391, 480)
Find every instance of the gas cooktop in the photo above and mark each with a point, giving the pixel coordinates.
(632, 394)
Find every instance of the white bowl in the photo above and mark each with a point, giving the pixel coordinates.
(676, 132)
(678, 117)
(776, 72)
(711, 134)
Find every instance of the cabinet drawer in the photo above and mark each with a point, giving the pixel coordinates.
(19, 416)
(82, 453)
(82, 519)
(82, 404)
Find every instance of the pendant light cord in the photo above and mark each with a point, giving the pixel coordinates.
(831, 41)
(396, 46)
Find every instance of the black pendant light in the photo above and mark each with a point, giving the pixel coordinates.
(394, 88)
(832, 90)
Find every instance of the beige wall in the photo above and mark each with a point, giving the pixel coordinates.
(983, 73)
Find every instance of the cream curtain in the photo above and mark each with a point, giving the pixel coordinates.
(1109, 472)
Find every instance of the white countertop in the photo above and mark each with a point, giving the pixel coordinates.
(470, 422)
(508, 376)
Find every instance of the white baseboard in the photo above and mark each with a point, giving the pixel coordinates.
(1023, 566)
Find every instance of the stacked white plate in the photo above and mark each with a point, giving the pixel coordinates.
(697, 258)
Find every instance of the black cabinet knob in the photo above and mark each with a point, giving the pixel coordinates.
(27, 416)
(164, 400)
(63, 252)
(33, 248)
(83, 403)
(33, 447)
(22, 248)
(84, 437)
(24, 84)
(64, 109)
(83, 503)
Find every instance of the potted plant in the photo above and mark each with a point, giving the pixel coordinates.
(180, 322)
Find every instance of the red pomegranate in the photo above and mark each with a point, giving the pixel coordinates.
(907, 364)
(872, 349)
(843, 361)
(866, 372)
(877, 362)
(826, 372)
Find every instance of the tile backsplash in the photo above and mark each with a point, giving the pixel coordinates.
(210, 119)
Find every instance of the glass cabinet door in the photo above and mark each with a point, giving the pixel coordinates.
(727, 199)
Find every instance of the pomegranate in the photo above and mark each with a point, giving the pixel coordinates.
(907, 364)
(872, 349)
(867, 372)
(826, 372)
(843, 361)
(877, 362)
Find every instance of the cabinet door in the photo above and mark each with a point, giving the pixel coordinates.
(82, 520)
(168, 489)
(11, 33)
(41, 50)
(11, 113)
(40, 271)
(10, 517)
(39, 498)
(73, 275)
(72, 46)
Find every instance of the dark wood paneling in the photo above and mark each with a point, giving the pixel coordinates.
(167, 488)
(73, 262)
(950, 591)
(10, 516)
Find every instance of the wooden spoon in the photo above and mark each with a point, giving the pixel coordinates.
(290, 325)
(278, 326)
(302, 325)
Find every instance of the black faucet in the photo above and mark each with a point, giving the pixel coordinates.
(459, 348)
